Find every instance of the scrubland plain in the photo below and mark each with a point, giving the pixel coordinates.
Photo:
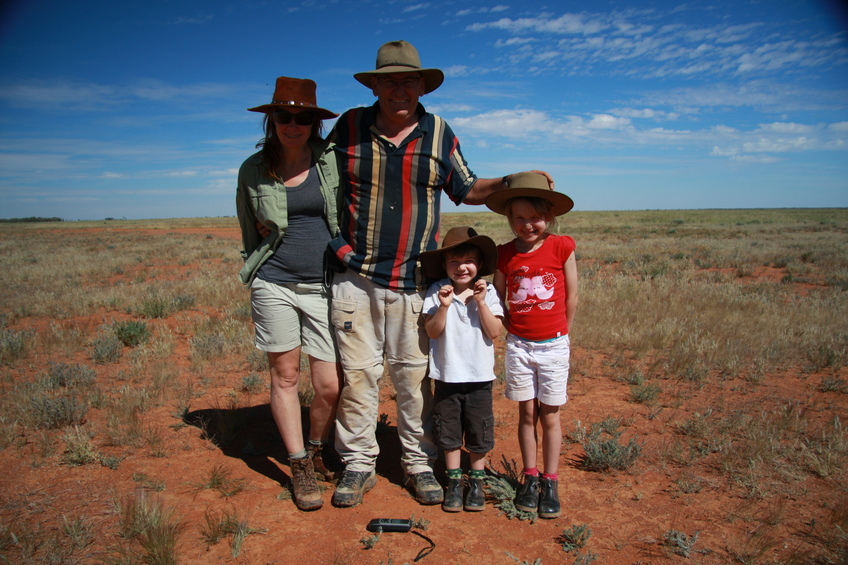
(709, 385)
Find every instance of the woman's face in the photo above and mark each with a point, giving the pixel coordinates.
(293, 126)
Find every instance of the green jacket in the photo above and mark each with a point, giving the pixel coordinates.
(260, 198)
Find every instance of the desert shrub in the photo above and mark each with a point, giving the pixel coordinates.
(13, 344)
(106, 348)
(575, 537)
(132, 332)
(220, 478)
(79, 449)
(49, 411)
(603, 451)
(217, 526)
(679, 542)
(64, 375)
(253, 384)
(645, 393)
(146, 521)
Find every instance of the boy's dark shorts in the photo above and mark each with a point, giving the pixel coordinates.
(464, 408)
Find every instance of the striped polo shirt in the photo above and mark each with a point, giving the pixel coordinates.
(390, 209)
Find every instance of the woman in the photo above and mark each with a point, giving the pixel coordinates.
(286, 203)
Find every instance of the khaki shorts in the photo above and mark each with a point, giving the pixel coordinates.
(286, 316)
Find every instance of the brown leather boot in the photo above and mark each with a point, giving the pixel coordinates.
(304, 486)
(323, 472)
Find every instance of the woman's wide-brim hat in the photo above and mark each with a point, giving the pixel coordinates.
(295, 93)
(401, 57)
(432, 261)
(529, 185)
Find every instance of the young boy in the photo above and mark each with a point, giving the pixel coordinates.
(462, 315)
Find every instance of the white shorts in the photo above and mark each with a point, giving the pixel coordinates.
(537, 370)
(286, 316)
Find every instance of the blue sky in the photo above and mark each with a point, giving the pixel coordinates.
(137, 109)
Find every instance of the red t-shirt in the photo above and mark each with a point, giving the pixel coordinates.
(535, 288)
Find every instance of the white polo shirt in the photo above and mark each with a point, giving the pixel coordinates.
(463, 353)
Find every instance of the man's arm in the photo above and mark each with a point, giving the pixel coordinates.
(484, 187)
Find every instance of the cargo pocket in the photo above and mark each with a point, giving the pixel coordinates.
(344, 315)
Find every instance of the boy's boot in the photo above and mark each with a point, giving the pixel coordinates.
(549, 499)
(453, 496)
(527, 497)
(475, 498)
(304, 486)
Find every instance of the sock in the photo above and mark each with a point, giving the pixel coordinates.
(550, 477)
(454, 473)
(475, 474)
(534, 472)
(299, 455)
(316, 442)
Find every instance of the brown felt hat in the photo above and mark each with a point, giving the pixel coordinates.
(401, 57)
(294, 93)
(529, 185)
(433, 265)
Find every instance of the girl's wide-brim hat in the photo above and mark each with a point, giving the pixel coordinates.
(529, 185)
(295, 93)
(401, 57)
(432, 261)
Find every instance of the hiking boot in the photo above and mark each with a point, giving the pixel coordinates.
(527, 497)
(426, 488)
(453, 496)
(549, 499)
(475, 498)
(304, 487)
(352, 487)
(322, 461)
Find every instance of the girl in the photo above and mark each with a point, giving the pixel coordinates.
(537, 280)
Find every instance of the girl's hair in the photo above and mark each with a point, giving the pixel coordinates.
(541, 206)
(272, 149)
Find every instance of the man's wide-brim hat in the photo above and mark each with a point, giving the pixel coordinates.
(295, 93)
(432, 262)
(401, 57)
(529, 185)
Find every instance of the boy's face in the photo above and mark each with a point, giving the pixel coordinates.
(462, 269)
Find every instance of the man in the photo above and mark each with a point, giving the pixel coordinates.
(396, 159)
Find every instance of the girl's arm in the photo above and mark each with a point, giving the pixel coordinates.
(499, 281)
(570, 268)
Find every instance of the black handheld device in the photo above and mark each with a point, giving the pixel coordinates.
(389, 525)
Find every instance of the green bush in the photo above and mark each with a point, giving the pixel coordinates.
(64, 375)
(131, 333)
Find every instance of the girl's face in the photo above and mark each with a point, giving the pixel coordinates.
(526, 223)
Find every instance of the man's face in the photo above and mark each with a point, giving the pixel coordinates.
(398, 94)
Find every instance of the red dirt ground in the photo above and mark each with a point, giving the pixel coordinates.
(627, 512)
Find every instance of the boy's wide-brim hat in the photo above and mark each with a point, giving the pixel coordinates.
(433, 265)
(401, 57)
(529, 185)
(295, 93)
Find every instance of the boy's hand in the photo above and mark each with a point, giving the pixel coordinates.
(480, 291)
(446, 295)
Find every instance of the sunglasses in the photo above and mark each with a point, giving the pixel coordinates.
(284, 117)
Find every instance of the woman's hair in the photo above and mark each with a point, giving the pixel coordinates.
(272, 149)
(541, 206)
